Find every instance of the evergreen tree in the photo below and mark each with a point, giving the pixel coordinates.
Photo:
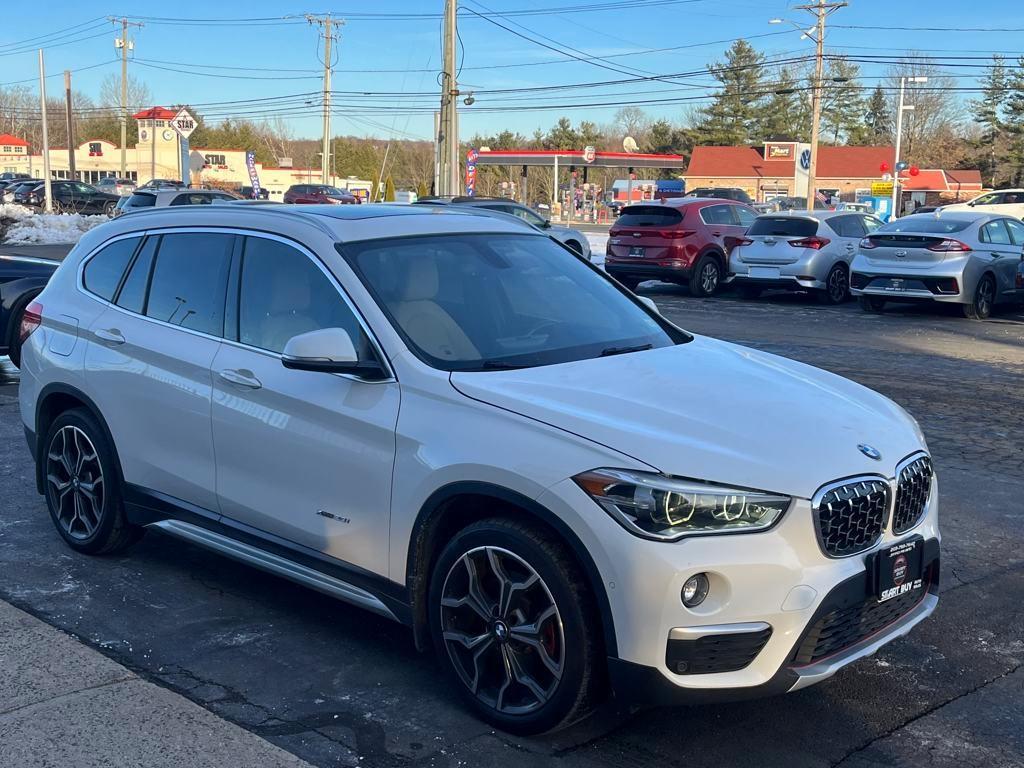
(733, 117)
(877, 119)
(562, 136)
(1013, 119)
(785, 115)
(988, 112)
(389, 190)
(842, 103)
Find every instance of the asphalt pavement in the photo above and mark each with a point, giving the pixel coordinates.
(337, 686)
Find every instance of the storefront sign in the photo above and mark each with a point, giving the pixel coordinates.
(881, 189)
(254, 179)
(780, 151)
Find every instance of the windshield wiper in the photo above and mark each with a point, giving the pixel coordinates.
(498, 365)
(625, 350)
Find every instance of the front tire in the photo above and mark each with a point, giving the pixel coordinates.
(980, 307)
(706, 277)
(82, 486)
(514, 626)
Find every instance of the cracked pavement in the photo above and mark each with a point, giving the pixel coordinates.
(337, 686)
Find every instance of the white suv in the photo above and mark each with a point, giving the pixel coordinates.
(455, 422)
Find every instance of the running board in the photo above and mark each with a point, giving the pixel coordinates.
(275, 564)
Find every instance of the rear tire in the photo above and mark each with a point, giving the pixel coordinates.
(872, 304)
(515, 627)
(83, 487)
(108, 208)
(980, 307)
(837, 286)
(748, 291)
(706, 277)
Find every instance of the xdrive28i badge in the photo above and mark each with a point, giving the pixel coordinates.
(870, 451)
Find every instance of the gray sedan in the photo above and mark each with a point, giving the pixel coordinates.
(965, 258)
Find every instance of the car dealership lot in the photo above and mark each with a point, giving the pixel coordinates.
(338, 686)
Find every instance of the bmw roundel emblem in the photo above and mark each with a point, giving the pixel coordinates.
(870, 451)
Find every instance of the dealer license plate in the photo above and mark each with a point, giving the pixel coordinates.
(896, 285)
(637, 251)
(898, 569)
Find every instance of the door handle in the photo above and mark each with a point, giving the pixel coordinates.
(110, 335)
(240, 378)
(717, 234)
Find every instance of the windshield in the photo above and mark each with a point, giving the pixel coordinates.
(925, 223)
(321, 190)
(473, 302)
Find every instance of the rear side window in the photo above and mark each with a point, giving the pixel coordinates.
(995, 232)
(649, 216)
(193, 198)
(142, 200)
(103, 271)
(189, 281)
(847, 226)
(718, 214)
(784, 226)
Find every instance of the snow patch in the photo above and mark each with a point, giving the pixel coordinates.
(48, 228)
(598, 243)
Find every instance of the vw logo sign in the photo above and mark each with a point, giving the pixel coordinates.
(870, 451)
(805, 159)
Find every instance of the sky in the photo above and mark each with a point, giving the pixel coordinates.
(261, 59)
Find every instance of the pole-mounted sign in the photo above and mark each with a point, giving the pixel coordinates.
(184, 124)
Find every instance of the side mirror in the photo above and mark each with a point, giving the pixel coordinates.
(328, 350)
(648, 302)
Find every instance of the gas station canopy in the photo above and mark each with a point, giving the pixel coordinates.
(567, 157)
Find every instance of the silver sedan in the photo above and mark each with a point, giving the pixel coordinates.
(966, 258)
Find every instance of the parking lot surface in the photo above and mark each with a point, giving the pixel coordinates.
(337, 686)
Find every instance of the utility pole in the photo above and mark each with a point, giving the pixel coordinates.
(125, 45)
(71, 126)
(326, 22)
(46, 135)
(821, 9)
(900, 109)
(448, 131)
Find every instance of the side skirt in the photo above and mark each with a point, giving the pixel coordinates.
(267, 552)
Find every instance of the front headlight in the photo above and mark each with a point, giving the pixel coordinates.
(666, 509)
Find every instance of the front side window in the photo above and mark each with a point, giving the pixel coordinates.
(1016, 231)
(746, 216)
(284, 294)
(473, 302)
(992, 198)
(190, 279)
(103, 271)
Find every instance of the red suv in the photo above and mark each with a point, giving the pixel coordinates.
(312, 194)
(684, 240)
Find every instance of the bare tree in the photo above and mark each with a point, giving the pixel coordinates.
(139, 96)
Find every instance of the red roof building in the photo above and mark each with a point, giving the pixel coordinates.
(155, 113)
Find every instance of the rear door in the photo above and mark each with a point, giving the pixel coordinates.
(849, 229)
(149, 357)
(722, 224)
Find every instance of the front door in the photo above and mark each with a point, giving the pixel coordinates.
(301, 455)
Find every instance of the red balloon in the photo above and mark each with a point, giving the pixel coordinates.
(884, 167)
(914, 170)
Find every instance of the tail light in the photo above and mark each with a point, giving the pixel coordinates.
(866, 244)
(31, 319)
(742, 241)
(675, 234)
(814, 242)
(949, 246)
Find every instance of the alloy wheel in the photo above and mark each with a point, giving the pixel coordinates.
(74, 482)
(709, 278)
(502, 630)
(985, 298)
(837, 285)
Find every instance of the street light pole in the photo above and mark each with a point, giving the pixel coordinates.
(900, 109)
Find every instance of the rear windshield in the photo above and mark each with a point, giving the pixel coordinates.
(649, 216)
(784, 226)
(141, 201)
(925, 223)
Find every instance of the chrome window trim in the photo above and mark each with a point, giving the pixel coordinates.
(307, 252)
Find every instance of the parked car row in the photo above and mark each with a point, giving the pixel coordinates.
(968, 257)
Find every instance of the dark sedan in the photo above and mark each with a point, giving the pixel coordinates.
(22, 278)
(73, 197)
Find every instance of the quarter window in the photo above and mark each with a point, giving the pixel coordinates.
(103, 271)
(133, 293)
(190, 280)
(283, 294)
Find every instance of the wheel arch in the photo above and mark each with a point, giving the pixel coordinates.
(718, 253)
(53, 400)
(453, 507)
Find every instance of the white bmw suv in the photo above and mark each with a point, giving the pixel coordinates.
(459, 424)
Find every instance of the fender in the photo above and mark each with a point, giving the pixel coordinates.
(435, 503)
(45, 394)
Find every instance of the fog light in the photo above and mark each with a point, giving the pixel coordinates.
(695, 590)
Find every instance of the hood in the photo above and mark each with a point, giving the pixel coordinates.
(710, 410)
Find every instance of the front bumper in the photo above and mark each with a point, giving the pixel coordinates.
(778, 578)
